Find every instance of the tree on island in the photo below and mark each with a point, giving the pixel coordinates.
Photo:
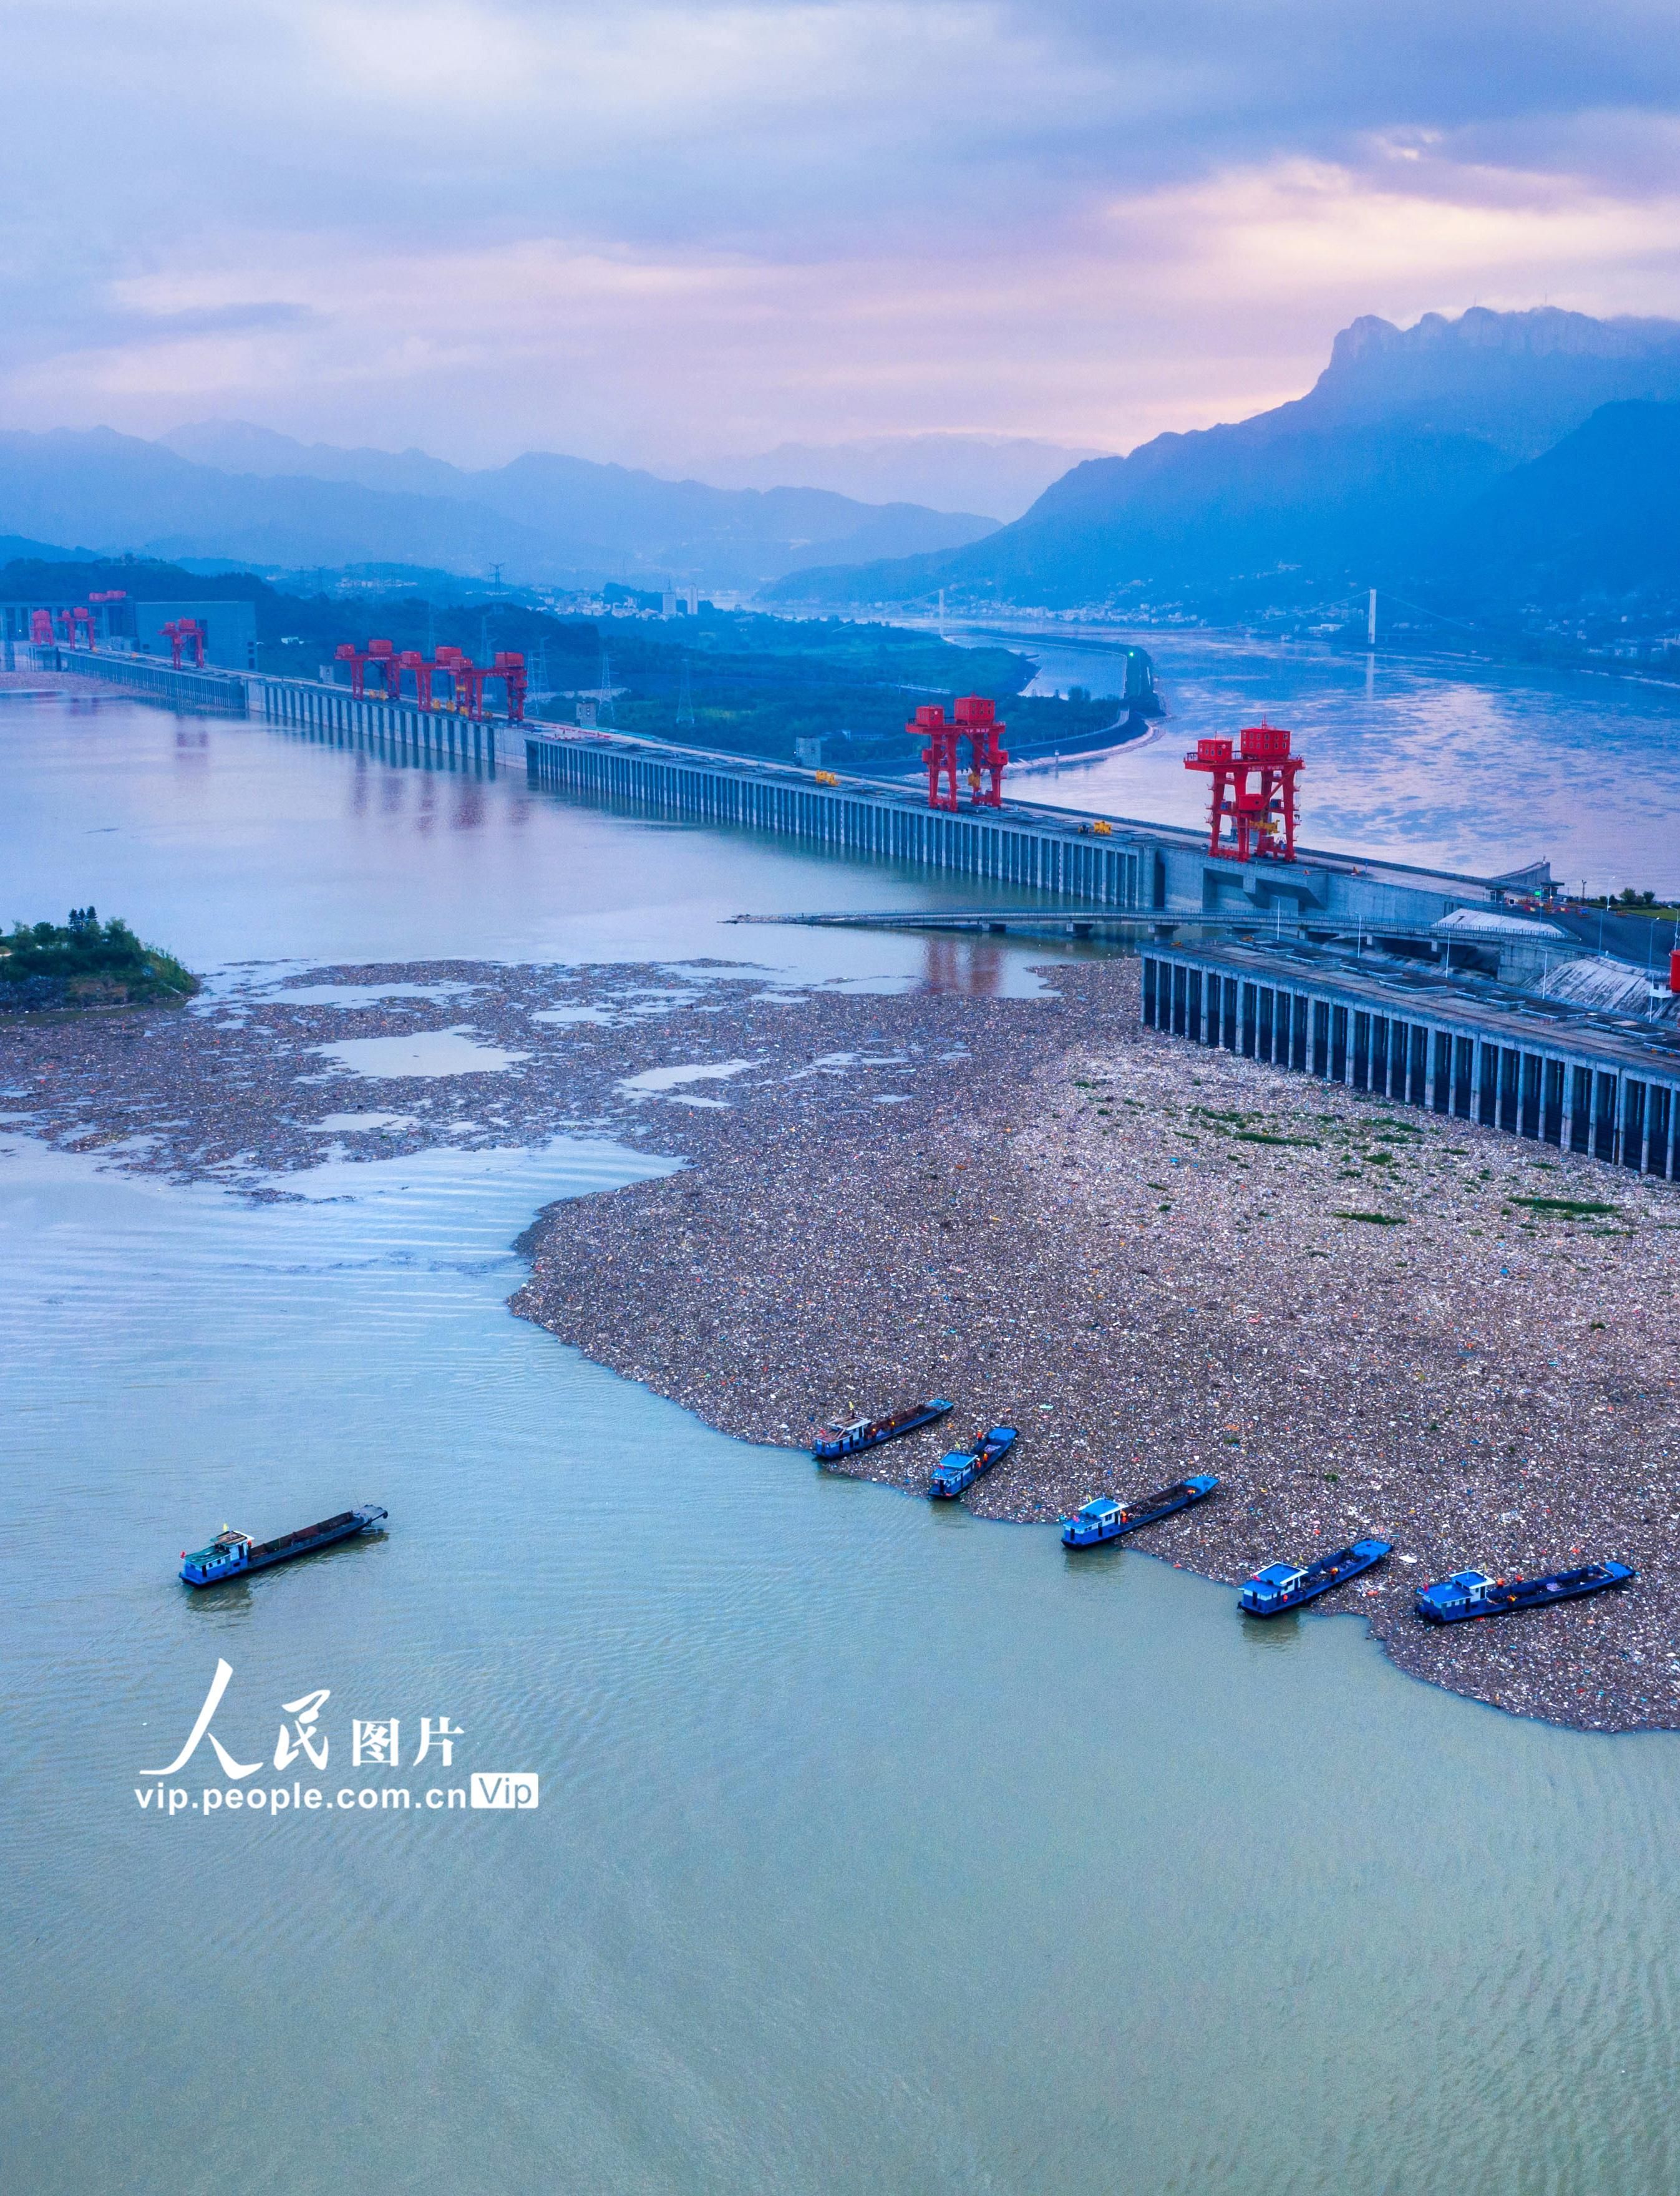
(86, 962)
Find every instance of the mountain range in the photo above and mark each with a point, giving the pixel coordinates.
(227, 490)
(1451, 450)
(1002, 474)
(1500, 458)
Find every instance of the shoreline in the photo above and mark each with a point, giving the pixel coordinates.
(1142, 1255)
(1109, 637)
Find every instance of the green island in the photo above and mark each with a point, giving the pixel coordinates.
(85, 963)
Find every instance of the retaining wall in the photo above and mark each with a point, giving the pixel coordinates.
(1570, 1085)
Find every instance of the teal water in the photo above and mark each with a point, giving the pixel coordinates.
(1415, 761)
(877, 1849)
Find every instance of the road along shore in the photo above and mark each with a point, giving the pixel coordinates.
(1150, 1258)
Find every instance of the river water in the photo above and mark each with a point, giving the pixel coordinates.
(877, 1849)
(1482, 771)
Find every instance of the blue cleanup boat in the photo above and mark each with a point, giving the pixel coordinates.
(830, 1444)
(1472, 1593)
(231, 1554)
(960, 1468)
(1105, 1519)
(1286, 1586)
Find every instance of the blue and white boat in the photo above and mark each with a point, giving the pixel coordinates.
(1286, 1586)
(1472, 1593)
(231, 1554)
(1106, 1519)
(830, 1444)
(960, 1468)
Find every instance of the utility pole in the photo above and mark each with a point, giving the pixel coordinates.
(1371, 621)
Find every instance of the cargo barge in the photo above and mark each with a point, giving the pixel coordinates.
(1472, 1593)
(1106, 1519)
(832, 1443)
(1286, 1586)
(231, 1554)
(958, 1469)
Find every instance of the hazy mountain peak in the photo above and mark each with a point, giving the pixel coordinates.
(252, 495)
(1002, 474)
(1519, 380)
(239, 446)
(235, 446)
(1361, 478)
(1538, 332)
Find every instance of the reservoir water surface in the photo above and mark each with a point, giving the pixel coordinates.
(877, 1849)
(1470, 768)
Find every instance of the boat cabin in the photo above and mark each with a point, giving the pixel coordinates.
(1465, 1586)
(1472, 1584)
(229, 1552)
(1277, 1579)
(1106, 1512)
(956, 1469)
(1463, 1593)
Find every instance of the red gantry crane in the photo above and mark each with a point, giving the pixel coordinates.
(510, 667)
(973, 718)
(1255, 787)
(448, 662)
(382, 657)
(414, 659)
(467, 679)
(182, 633)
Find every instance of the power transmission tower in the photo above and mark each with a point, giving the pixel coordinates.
(605, 715)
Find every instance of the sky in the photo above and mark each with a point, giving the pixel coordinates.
(664, 230)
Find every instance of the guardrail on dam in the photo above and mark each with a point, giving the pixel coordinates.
(1061, 854)
(438, 733)
(222, 691)
(1096, 861)
(312, 704)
